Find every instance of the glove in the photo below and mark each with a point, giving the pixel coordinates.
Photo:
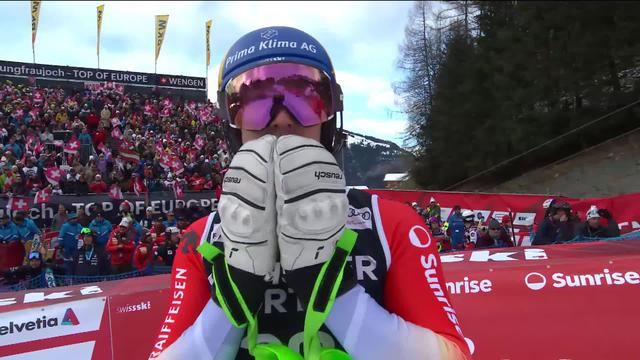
(311, 205)
(248, 217)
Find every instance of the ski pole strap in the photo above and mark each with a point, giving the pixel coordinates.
(225, 290)
(235, 308)
(323, 297)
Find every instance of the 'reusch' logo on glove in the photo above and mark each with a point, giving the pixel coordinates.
(328, 175)
(231, 179)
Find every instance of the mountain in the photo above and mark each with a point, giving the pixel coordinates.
(367, 159)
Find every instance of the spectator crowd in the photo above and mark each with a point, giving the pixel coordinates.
(466, 229)
(79, 142)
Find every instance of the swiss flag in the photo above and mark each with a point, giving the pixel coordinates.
(115, 193)
(199, 143)
(116, 133)
(18, 203)
(53, 175)
(165, 161)
(177, 190)
(138, 186)
(176, 165)
(42, 196)
(159, 147)
(72, 146)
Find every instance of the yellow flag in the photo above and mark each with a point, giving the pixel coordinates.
(35, 15)
(208, 34)
(161, 28)
(100, 9)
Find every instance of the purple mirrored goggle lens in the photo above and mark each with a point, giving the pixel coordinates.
(304, 90)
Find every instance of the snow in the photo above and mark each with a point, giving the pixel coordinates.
(396, 177)
(356, 139)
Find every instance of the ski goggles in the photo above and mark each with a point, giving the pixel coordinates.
(306, 92)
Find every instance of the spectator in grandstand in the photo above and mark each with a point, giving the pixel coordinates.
(456, 228)
(171, 220)
(32, 273)
(495, 236)
(68, 241)
(420, 211)
(98, 186)
(560, 226)
(433, 209)
(158, 231)
(59, 218)
(470, 231)
(102, 229)
(144, 254)
(90, 260)
(121, 247)
(27, 229)
(183, 222)
(126, 210)
(8, 230)
(593, 228)
(167, 251)
(438, 233)
(147, 219)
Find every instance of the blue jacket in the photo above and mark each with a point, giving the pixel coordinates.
(28, 230)
(168, 224)
(9, 232)
(68, 239)
(102, 229)
(85, 139)
(138, 228)
(456, 229)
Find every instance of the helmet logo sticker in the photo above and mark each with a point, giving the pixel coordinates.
(268, 34)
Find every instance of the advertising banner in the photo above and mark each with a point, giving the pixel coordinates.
(80, 74)
(527, 210)
(161, 202)
(569, 301)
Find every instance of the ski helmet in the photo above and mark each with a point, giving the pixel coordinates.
(279, 44)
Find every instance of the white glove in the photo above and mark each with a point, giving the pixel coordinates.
(247, 208)
(311, 202)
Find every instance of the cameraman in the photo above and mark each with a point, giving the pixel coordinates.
(121, 247)
(593, 228)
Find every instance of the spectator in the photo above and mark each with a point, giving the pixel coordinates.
(183, 222)
(68, 240)
(470, 230)
(102, 229)
(433, 209)
(171, 220)
(90, 260)
(420, 211)
(593, 227)
(496, 236)
(147, 220)
(158, 231)
(59, 218)
(8, 230)
(125, 210)
(27, 229)
(167, 251)
(32, 273)
(98, 186)
(82, 188)
(456, 228)
(438, 233)
(560, 226)
(121, 247)
(144, 254)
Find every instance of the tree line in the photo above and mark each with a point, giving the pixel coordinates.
(487, 81)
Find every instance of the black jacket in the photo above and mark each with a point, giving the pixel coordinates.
(91, 262)
(167, 252)
(611, 230)
(551, 231)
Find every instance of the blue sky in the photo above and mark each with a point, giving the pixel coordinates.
(361, 37)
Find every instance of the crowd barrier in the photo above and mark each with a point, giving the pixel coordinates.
(53, 280)
(565, 301)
